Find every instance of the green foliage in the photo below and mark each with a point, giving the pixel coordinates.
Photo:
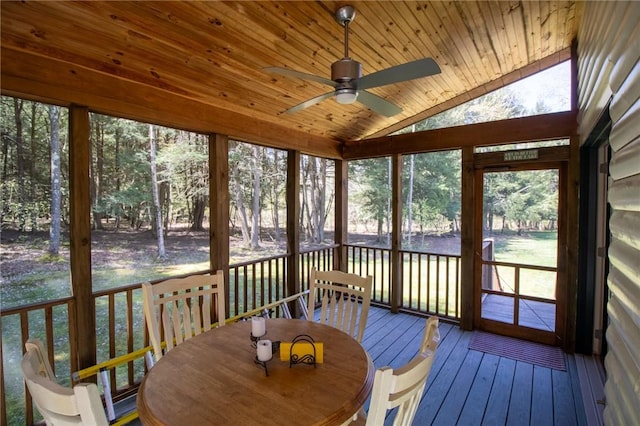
(370, 191)
(436, 188)
(524, 199)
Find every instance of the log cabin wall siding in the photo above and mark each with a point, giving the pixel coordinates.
(609, 76)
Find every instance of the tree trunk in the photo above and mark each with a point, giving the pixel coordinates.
(199, 205)
(276, 204)
(34, 210)
(22, 212)
(305, 208)
(56, 196)
(242, 213)
(117, 170)
(410, 201)
(156, 196)
(98, 175)
(255, 223)
(314, 191)
(388, 219)
(164, 191)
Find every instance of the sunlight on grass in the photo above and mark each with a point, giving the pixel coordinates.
(105, 279)
(536, 248)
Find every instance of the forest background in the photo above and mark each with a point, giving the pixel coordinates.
(149, 192)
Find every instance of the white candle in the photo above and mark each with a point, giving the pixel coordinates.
(258, 326)
(265, 353)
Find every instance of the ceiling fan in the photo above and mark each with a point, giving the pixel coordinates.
(347, 80)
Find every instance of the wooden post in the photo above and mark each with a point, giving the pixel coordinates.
(80, 236)
(293, 227)
(396, 233)
(572, 246)
(219, 207)
(342, 215)
(467, 240)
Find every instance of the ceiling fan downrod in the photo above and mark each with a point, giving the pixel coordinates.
(345, 71)
(344, 16)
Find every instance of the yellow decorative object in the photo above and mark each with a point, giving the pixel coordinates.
(301, 349)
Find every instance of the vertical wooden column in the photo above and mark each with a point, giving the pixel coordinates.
(80, 236)
(219, 207)
(341, 215)
(396, 233)
(467, 240)
(572, 243)
(293, 225)
(572, 211)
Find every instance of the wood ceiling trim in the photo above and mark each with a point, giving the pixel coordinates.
(526, 129)
(43, 79)
(505, 80)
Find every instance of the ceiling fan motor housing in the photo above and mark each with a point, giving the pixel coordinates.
(345, 70)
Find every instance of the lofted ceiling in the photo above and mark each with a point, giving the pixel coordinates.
(204, 61)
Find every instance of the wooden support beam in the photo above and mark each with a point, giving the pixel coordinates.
(341, 215)
(107, 94)
(572, 244)
(467, 240)
(396, 233)
(80, 235)
(219, 206)
(526, 129)
(293, 226)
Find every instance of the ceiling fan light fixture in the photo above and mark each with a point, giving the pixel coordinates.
(346, 96)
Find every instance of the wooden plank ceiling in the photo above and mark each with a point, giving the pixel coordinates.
(202, 62)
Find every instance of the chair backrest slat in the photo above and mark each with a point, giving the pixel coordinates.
(344, 300)
(403, 387)
(179, 308)
(58, 404)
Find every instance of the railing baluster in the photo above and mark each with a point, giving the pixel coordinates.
(130, 375)
(446, 303)
(457, 290)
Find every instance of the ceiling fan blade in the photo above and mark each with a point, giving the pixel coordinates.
(310, 102)
(302, 75)
(405, 72)
(378, 104)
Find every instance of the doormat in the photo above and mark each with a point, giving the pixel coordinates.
(520, 350)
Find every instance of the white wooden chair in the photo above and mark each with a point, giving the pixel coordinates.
(431, 335)
(344, 299)
(403, 387)
(179, 308)
(59, 405)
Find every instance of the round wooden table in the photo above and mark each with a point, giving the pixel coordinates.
(213, 379)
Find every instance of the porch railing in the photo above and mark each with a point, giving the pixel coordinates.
(431, 285)
(430, 282)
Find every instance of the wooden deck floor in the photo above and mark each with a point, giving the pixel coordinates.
(467, 387)
(533, 314)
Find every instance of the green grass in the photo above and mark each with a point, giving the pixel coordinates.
(533, 248)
